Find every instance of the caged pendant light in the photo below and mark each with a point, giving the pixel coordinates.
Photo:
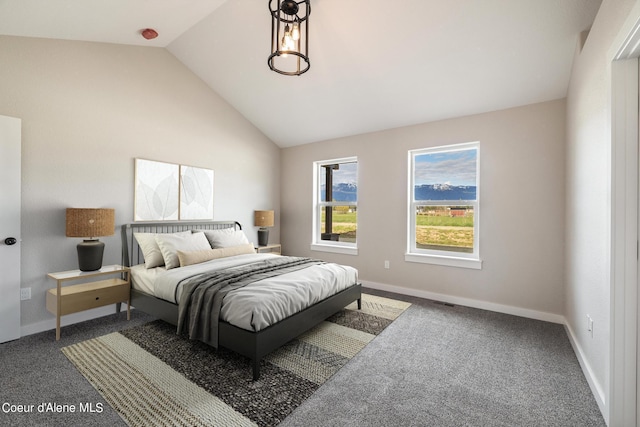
(289, 36)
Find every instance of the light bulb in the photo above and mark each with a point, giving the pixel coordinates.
(287, 40)
(295, 33)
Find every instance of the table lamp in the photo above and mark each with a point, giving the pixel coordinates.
(263, 219)
(89, 224)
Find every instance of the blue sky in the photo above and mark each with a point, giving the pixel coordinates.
(451, 167)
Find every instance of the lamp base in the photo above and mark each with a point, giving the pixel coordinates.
(90, 255)
(263, 237)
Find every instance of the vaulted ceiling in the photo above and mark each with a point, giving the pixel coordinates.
(375, 64)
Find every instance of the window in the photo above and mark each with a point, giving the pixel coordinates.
(335, 218)
(444, 205)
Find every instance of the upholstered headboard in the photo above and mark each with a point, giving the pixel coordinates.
(131, 253)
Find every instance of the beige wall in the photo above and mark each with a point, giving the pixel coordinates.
(521, 215)
(87, 111)
(588, 188)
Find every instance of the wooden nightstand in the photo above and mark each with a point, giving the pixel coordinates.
(90, 293)
(269, 249)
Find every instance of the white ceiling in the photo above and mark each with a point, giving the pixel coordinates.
(375, 64)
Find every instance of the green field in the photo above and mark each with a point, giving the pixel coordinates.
(344, 224)
(453, 233)
(444, 221)
(433, 232)
(348, 217)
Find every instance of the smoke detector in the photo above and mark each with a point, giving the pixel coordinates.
(149, 33)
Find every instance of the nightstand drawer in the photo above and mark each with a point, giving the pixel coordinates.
(88, 295)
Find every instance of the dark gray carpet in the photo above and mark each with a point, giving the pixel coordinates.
(438, 365)
(35, 371)
(433, 366)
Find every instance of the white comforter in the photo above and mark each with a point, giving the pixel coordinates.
(259, 304)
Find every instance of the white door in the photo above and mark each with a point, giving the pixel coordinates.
(10, 155)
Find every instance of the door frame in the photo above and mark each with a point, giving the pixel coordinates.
(622, 402)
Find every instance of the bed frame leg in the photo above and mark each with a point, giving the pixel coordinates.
(256, 369)
(360, 303)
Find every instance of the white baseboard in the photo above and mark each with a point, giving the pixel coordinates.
(596, 387)
(468, 302)
(70, 319)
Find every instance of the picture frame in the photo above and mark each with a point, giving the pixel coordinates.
(156, 191)
(196, 193)
(167, 191)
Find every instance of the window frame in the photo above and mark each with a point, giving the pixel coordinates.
(317, 244)
(435, 256)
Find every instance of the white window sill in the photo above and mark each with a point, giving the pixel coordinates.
(450, 261)
(336, 249)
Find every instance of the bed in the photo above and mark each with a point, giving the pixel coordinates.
(252, 341)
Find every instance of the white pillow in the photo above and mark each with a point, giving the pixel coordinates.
(151, 250)
(196, 257)
(226, 237)
(170, 245)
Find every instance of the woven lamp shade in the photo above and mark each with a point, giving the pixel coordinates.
(90, 222)
(263, 218)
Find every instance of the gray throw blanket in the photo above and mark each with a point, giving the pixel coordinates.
(201, 299)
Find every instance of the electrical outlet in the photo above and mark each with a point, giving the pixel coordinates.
(590, 325)
(25, 293)
(386, 264)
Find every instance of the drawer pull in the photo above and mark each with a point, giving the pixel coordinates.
(97, 298)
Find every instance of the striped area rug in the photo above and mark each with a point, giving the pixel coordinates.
(153, 377)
